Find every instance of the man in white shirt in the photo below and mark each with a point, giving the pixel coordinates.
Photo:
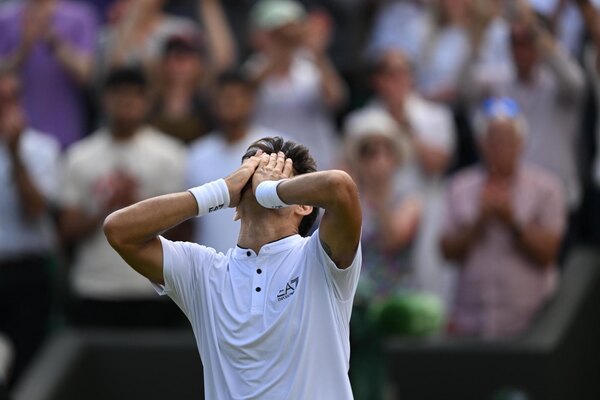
(271, 317)
(298, 87)
(28, 182)
(114, 167)
(218, 153)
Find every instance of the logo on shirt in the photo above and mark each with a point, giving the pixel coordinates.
(289, 290)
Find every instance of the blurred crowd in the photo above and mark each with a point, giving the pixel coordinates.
(468, 125)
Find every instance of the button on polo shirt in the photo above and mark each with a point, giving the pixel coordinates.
(272, 325)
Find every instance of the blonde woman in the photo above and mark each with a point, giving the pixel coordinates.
(376, 151)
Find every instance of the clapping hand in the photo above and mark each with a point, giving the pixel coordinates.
(496, 203)
(318, 33)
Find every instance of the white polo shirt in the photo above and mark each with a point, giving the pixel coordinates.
(273, 325)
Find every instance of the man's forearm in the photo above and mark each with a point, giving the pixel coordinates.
(34, 203)
(538, 244)
(336, 192)
(332, 85)
(137, 224)
(456, 246)
(325, 189)
(76, 63)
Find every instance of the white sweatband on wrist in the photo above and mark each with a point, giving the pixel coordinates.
(266, 194)
(211, 196)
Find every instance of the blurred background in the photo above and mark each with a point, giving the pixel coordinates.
(470, 127)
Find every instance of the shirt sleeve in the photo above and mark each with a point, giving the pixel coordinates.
(183, 263)
(343, 282)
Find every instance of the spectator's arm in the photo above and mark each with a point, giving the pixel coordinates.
(318, 36)
(11, 130)
(34, 21)
(397, 227)
(539, 244)
(591, 17)
(332, 85)
(121, 47)
(220, 39)
(459, 237)
(76, 62)
(568, 73)
(75, 224)
(457, 245)
(541, 239)
(32, 200)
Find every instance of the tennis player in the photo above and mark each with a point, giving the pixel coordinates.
(270, 317)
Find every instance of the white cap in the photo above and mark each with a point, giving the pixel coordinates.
(373, 122)
(271, 14)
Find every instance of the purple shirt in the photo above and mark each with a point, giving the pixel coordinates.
(499, 290)
(52, 98)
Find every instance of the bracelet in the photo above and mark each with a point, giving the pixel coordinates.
(211, 196)
(266, 194)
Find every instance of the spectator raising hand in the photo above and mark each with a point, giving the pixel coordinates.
(298, 87)
(28, 178)
(112, 168)
(50, 43)
(318, 37)
(138, 33)
(141, 29)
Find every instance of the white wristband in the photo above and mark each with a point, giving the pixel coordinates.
(211, 196)
(266, 194)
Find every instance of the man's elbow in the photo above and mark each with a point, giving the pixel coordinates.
(112, 229)
(343, 186)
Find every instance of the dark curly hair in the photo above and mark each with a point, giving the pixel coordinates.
(303, 163)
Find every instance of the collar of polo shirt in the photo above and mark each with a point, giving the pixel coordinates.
(277, 246)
